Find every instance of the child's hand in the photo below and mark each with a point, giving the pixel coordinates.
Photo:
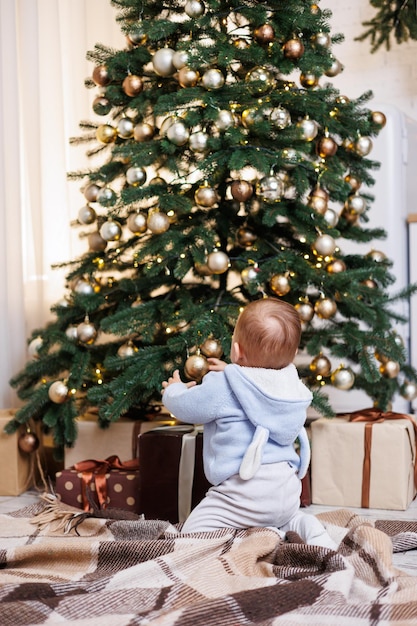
(216, 365)
(176, 378)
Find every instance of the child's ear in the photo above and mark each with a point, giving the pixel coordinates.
(237, 352)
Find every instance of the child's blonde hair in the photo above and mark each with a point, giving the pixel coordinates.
(269, 332)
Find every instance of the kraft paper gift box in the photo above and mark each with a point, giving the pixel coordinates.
(365, 459)
(120, 438)
(17, 468)
(109, 484)
(171, 472)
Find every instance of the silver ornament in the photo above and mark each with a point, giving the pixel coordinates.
(167, 122)
(280, 117)
(343, 378)
(127, 350)
(206, 196)
(106, 196)
(322, 39)
(218, 262)
(308, 129)
(87, 215)
(136, 176)
(137, 223)
(212, 79)
(111, 230)
(180, 59)
(324, 245)
(409, 390)
(249, 274)
(198, 141)
(58, 392)
(335, 68)
(224, 120)
(194, 8)
(91, 191)
(305, 311)
(125, 128)
(178, 133)
(71, 332)
(356, 203)
(86, 332)
(331, 217)
(33, 348)
(158, 222)
(290, 157)
(83, 287)
(270, 188)
(363, 146)
(162, 62)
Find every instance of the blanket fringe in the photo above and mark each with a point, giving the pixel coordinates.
(58, 516)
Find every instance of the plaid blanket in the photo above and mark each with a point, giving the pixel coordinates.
(136, 572)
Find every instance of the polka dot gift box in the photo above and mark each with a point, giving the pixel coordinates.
(109, 484)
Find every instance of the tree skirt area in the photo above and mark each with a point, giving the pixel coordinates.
(119, 572)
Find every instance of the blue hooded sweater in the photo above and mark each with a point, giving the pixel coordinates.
(251, 416)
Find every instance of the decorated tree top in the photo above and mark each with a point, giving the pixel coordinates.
(227, 167)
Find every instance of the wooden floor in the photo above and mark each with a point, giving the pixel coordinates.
(406, 561)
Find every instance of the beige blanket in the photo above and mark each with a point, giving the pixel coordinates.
(118, 572)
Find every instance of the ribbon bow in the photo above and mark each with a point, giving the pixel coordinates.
(98, 469)
(376, 416)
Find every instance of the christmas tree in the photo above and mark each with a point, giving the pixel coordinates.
(227, 167)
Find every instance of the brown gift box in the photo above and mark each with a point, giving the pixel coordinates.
(110, 483)
(120, 438)
(17, 468)
(364, 459)
(171, 472)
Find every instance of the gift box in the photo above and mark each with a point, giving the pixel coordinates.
(364, 459)
(109, 484)
(120, 438)
(171, 476)
(17, 468)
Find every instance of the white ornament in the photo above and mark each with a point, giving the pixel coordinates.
(212, 79)
(58, 392)
(162, 62)
(194, 8)
(111, 230)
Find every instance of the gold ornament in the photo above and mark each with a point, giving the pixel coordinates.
(127, 350)
(309, 79)
(280, 285)
(363, 146)
(390, 369)
(250, 117)
(218, 262)
(305, 311)
(241, 190)
(101, 105)
(106, 196)
(378, 118)
(293, 48)
(188, 77)
(162, 62)
(343, 378)
(111, 230)
(58, 392)
(96, 243)
(132, 85)
(321, 39)
(326, 146)
(245, 237)
(158, 222)
(320, 365)
(106, 133)
(249, 274)
(336, 266)
(202, 269)
(143, 131)
(196, 366)
(212, 348)
(28, 442)
(290, 158)
(325, 308)
(206, 196)
(308, 129)
(335, 68)
(264, 34)
(180, 59)
(356, 203)
(260, 80)
(318, 200)
(101, 75)
(377, 256)
(136, 36)
(279, 117)
(86, 332)
(212, 79)
(331, 218)
(137, 223)
(353, 181)
(224, 120)
(369, 283)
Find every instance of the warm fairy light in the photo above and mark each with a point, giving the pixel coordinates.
(73, 392)
(168, 330)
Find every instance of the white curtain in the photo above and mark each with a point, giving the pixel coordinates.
(43, 45)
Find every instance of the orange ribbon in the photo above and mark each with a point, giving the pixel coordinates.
(376, 416)
(97, 470)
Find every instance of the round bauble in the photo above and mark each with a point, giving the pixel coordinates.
(206, 196)
(212, 348)
(162, 62)
(326, 146)
(378, 118)
(143, 131)
(125, 128)
(106, 133)
(168, 121)
(318, 200)
(96, 243)
(305, 311)
(83, 287)
(33, 348)
(325, 308)
(308, 129)
(158, 222)
(353, 181)
(127, 350)
(132, 85)
(28, 442)
(343, 378)
(409, 390)
(196, 366)
(212, 79)
(324, 245)
(320, 365)
(136, 36)
(188, 77)
(363, 146)
(224, 120)
(101, 75)
(331, 218)
(335, 68)
(376, 255)
(270, 189)
(249, 274)
(71, 332)
(180, 58)
(106, 196)
(194, 8)
(356, 203)
(137, 223)
(309, 79)
(136, 176)
(178, 133)
(280, 284)
(390, 369)
(280, 117)
(245, 237)
(321, 39)
(264, 34)
(241, 190)
(111, 230)
(218, 262)
(260, 80)
(58, 392)
(101, 105)
(91, 191)
(87, 215)
(198, 141)
(86, 332)
(202, 269)
(290, 157)
(293, 48)
(250, 117)
(336, 266)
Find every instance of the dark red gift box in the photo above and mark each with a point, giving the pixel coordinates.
(172, 480)
(109, 483)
